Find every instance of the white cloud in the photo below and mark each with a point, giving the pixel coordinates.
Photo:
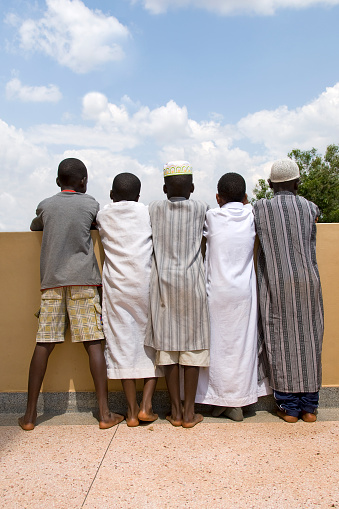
(16, 90)
(26, 174)
(313, 125)
(163, 124)
(117, 138)
(74, 35)
(227, 7)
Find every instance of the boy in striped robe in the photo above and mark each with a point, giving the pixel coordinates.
(291, 320)
(178, 326)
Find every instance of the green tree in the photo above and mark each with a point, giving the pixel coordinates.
(319, 181)
(261, 190)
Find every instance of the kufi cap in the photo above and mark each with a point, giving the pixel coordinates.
(284, 170)
(177, 168)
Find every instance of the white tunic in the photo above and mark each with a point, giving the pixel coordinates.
(231, 379)
(126, 236)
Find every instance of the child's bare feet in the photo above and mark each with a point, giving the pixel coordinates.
(110, 421)
(132, 417)
(147, 416)
(192, 422)
(132, 422)
(27, 423)
(175, 421)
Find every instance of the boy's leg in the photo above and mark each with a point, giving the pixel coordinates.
(130, 390)
(97, 366)
(191, 375)
(37, 372)
(309, 402)
(51, 330)
(173, 386)
(146, 411)
(288, 405)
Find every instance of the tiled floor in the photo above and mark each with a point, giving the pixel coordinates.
(259, 463)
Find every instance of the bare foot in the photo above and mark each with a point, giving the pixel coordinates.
(196, 419)
(147, 416)
(27, 424)
(173, 421)
(110, 421)
(132, 422)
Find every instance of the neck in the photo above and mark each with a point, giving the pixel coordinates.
(279, 189)
(72, 189)
(290, 186)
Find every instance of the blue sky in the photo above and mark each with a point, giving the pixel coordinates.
(230, 85)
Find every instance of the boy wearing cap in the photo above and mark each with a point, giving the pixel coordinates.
(291, 321)
(178, 326)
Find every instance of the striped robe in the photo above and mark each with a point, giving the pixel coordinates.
(178, 318)
(291, 321)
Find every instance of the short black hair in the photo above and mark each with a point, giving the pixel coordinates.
(232, 187)
(71, 171)
(178, 185)
(126, 186)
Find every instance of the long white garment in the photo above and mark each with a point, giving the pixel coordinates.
(231, 379)
(126, 235)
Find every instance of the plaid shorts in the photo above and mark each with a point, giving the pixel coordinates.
(77, 305)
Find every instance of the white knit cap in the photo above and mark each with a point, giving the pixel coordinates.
(177, 168)
(284, 170)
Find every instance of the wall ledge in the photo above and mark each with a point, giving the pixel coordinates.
(58, 403)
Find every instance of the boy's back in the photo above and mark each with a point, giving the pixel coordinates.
(230, 382)
(178, 326)
(69, 279)
(178, 295)
(125, 231)
(126, 236)
(67, 256)
(291, 321)
(290, 291)
(230, 235)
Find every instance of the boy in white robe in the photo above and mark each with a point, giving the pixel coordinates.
(231, 380)
(126, 236)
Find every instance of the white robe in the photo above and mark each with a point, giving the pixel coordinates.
(231, 379)
(126, 236)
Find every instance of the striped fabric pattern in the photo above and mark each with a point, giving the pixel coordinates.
(178, 319)
(291, 319)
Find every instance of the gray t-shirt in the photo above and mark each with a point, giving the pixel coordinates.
(67, 256)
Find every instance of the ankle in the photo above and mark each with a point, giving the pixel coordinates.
(132, 410)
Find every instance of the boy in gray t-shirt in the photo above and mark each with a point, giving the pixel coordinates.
(69, 279)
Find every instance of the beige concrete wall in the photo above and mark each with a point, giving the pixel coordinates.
(68, 366)
(328, 261)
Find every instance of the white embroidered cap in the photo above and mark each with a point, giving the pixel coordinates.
(284, 170)
(177, 168)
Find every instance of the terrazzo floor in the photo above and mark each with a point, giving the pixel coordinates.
(262, 462)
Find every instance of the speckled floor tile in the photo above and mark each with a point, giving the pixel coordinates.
(267, 465)
(50, 467)
(271, 465)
